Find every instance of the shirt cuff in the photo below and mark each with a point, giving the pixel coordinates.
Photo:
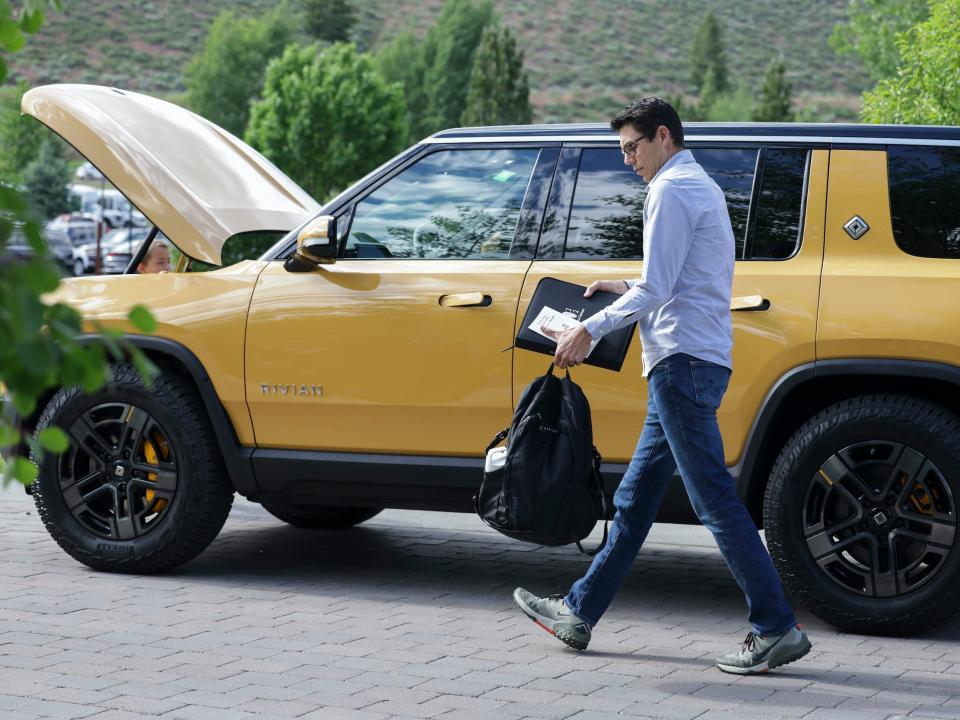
(593, 325)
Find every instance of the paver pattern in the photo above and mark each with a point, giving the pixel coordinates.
(410, 616)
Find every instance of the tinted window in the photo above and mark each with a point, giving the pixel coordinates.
(450, 204)
(779, 203)
(733, 170)
(924, 187)
(606, 220)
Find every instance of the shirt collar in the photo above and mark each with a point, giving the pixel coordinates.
(680, 158)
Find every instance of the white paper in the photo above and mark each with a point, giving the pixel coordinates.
(556, 321)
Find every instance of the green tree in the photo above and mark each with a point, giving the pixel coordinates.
(872, 29)
(731, 106)
(710, 92)
(926, 88)
(46, 179)
(452, 43)
(329, 20)
(773, 104)
(227, 75)
(20, 136)
(39, 347)
(327, 118)
(707, 52)
(435, 72)
(498, 92)
(404, 61)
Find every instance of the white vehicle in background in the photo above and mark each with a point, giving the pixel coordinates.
(107, 205)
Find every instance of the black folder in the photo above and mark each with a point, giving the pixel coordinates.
(568, 298)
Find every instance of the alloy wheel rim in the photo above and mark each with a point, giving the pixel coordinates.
(879, 519)
(119, 477)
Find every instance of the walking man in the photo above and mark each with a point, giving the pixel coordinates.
(682, 305)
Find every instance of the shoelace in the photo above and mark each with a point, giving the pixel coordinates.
(748, 642)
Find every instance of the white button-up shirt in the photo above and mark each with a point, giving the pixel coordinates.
(682, 301)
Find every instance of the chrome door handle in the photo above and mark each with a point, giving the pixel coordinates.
(747, 303)
(467, 299)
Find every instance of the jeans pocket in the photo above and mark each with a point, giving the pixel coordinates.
(709, 383)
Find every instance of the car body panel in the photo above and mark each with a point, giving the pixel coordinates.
(198, 183)
(185, 314)
(399, 372)
(877, 300)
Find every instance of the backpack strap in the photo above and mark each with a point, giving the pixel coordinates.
(603, 503)
(501, 436)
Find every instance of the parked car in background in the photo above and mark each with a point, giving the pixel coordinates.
(17, 248)
(107, 205)
(117, 248)
(80, 231)
(60, 246)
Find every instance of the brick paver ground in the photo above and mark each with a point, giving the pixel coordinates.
(410, 616)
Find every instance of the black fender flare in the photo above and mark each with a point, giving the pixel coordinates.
(236, 457)
(746, 468)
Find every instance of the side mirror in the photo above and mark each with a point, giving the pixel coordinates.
(316, 245)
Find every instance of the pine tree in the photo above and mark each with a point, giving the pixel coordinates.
(46, 179)
(707, 52)
(709, 93)
(329, 20)
(498, 92)
(773, 105)
(452, 43)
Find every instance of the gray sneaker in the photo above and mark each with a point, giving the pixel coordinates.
(553, 615)
(760, 653)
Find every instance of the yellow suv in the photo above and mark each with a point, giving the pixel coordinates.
(366, 358)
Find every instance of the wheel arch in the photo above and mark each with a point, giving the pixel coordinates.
(805, 390)
(174, 356)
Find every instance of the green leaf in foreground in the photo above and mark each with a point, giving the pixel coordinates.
(54, 440)
(23, 470)
(142, 319)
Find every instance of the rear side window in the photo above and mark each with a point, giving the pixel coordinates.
(606, 219)
(779, 210)
(924, 188)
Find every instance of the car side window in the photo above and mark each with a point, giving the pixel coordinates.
(779, 204)
(450, 204)
(924, 187)
(733, 170)
(606, 220)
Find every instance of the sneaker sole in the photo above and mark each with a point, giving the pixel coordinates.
(765, 666)
(547, 624)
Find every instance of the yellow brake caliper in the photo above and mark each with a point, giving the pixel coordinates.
(153, 458)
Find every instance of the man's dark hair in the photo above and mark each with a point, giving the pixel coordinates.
(646, 115)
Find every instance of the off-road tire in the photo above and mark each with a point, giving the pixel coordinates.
(203, 495)
(320, 517)
(932, 432)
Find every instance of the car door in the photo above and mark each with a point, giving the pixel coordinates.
(402, 345)
(594, 229)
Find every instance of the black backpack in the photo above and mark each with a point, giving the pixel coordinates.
(549, 489)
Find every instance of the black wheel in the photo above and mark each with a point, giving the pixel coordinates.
(142, 487)
(320, 517)
(860, 515)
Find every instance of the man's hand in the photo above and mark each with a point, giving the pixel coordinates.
(615, 286)
(572, 346)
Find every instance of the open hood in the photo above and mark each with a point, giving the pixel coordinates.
(195, 181)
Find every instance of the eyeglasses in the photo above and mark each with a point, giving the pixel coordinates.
(630, 149)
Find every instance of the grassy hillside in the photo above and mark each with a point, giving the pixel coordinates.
(585, 57)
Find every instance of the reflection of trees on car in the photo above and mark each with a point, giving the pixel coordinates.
(470, 233)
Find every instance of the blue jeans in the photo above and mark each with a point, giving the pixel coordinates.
(681, 431)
